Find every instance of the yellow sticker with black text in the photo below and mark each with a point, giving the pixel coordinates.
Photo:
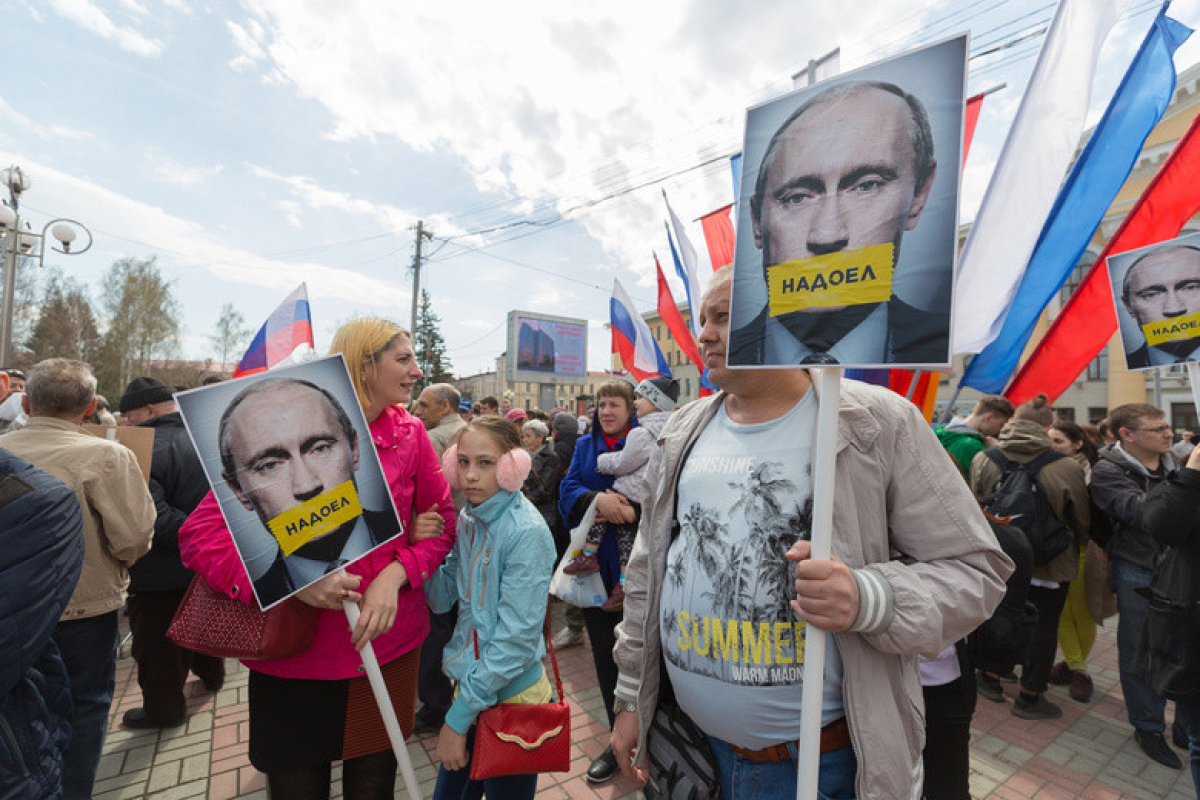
(1172, 329)
(313, 518)
(846, 278)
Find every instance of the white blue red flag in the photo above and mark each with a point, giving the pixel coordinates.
(285, 338)
(685, 265)
(632, 340)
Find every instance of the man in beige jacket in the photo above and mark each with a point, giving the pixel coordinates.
(715, 614)
(118, 522)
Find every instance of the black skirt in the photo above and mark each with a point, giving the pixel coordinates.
(297, 723)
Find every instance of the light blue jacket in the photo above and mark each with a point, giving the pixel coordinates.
(499, 572)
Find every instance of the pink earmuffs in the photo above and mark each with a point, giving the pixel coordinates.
(511, 472)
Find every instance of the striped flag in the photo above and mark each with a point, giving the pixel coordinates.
(669, 311)
(719, 236)
(1083, 328)
(285, 338)
(1036, 155)
(685, 264)
(1097, 176)
(632, 340)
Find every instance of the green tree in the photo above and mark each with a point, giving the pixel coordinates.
(65, 326)
(143, 323)
(231, 336)
(430, 347)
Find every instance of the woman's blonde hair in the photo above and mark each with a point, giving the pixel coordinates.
(362, 341)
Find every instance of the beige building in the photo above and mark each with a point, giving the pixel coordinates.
(1106, 383)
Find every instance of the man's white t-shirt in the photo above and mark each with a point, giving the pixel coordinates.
(728, 632)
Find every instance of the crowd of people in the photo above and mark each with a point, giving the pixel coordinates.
(964, 557)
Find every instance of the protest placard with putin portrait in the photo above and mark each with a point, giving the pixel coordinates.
(848, 217)
(288, 453)
(1157, 294)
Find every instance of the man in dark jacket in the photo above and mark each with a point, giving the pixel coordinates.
(159, 580)
(41, 555)
(1169, 650)
(1126, 471)
(566, 432)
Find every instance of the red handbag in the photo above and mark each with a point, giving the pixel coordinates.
(209, 622)
(523, 739)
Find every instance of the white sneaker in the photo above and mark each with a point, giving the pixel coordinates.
(567, 638)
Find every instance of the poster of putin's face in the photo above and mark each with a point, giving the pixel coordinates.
(1157, 294)
(848, 216)
(288, 453)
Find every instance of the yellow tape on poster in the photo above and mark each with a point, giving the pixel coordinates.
(847, 278)
(316, 517)
(1175, 329)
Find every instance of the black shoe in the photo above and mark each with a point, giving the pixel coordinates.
(1155, 745)
(1008, 677)
(136, 719)
(989, 687)
(1037, 708)
(603, 768)
(213, 686)
(1179, 736)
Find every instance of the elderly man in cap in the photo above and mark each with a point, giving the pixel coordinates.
(159, 580)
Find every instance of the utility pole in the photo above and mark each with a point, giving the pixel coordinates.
(416, 291)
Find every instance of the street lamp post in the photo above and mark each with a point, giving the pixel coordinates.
(18, 239)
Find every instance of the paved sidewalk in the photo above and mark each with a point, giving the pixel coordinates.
(1089, 753)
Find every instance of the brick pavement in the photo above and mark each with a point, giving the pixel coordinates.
(1089, 753)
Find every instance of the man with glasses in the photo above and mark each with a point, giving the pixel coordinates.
(1139, 459)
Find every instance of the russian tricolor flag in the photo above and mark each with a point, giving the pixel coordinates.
(632, 340)
(288, 329)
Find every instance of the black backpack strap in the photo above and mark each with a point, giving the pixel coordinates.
(998, 458)
(1035, 465)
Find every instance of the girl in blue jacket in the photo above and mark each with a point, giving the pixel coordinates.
(499, 573)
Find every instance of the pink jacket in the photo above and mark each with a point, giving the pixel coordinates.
(414, 475)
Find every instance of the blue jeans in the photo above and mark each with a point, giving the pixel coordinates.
(747, 780)
(1145, 708)
(457, 784)
(1189, 717)
(89, 650)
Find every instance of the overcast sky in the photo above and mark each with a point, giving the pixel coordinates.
(255, 145)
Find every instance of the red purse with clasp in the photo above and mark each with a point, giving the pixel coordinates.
(523, 739)
(209, 622)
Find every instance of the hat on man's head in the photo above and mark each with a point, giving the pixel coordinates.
(516, 415)
(144, 392)
(663, 392)
(464, 404)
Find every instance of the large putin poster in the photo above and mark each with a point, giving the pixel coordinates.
(848, 215)
(289, 456)
(1157, 295)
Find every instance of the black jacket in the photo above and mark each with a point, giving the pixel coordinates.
(1168, 655)
(1119, 486)
(177, 484)
(41, 555)
(541, 487)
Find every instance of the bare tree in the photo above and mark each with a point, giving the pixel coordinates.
(143, 322)
(231, 335)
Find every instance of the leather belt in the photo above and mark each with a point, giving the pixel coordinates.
(834, 736)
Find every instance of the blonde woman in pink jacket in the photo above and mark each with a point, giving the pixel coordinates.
(314, 708)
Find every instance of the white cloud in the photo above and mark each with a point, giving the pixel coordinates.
(556, 105)
(169, 171)
(38, 129)
(90, 16)
(182, 244)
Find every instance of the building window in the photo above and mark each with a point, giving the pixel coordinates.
(1076, 277)
(1065, 413)
(1097, 413)
(1097, 370)
(1183, 417)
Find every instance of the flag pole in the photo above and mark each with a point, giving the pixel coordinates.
(379, 689)
(828, 385)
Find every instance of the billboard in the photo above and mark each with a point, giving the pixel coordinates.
(546, 349)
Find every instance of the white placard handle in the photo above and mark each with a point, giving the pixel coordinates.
(1193, 370)
(379, 689)
(828, 385)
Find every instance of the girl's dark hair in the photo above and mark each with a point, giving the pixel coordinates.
(503, 432)
(1076, 434)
